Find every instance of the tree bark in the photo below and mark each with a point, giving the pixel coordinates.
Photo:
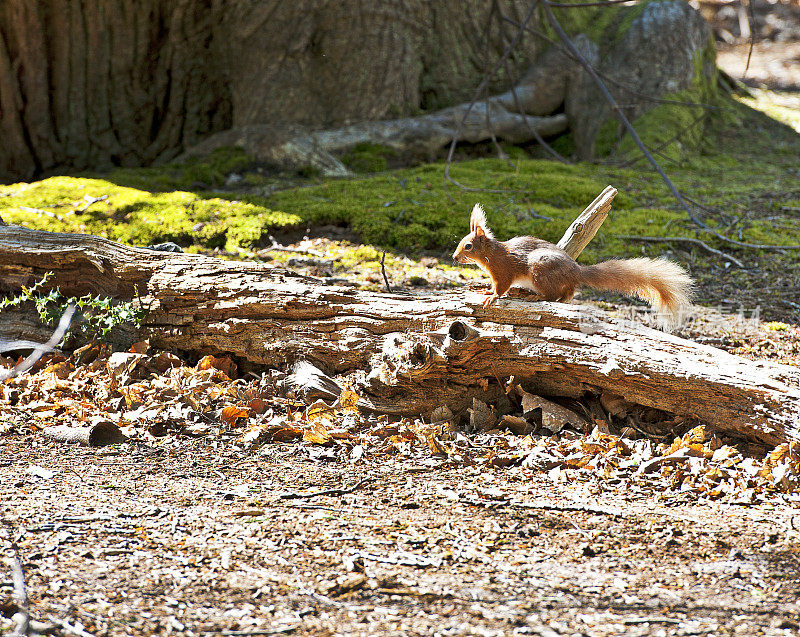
(94, 84)
(408, 353)
(128, 82)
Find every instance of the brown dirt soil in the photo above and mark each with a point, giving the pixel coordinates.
(194, 538)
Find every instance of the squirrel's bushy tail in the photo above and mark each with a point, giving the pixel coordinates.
(662, 283)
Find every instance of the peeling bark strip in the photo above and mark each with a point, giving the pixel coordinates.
(408, 354)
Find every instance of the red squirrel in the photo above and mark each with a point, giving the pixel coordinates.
(555, 276)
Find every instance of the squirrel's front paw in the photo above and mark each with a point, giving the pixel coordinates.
(490, 299)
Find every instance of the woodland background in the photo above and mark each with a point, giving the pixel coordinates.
(309, 143)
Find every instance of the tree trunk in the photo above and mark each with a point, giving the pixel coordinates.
(404, 353)
(95, 84)
(128, 82)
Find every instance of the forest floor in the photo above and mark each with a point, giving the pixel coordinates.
(208, 528)
(194, 537)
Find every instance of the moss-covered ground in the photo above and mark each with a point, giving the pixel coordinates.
(745, 172)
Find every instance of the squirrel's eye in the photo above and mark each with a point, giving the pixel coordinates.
(468, 247)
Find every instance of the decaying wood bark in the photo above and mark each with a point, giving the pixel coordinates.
(408, 353)
(582, 230)
(98, 435)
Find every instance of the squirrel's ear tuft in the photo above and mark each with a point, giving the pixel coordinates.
(478, 220)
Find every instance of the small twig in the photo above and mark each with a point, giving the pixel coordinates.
(583, 532)
(277, 247)
(39, 211)
(751, 19)
(22, 616)
(315, 494)
(91, 200)
(383, 271)
(246, 633)
(743, 244)
(567, 508)
(70, 469)
(631, 621)
(315, 507)
(536, 215)
(697, 242)
(41, 350)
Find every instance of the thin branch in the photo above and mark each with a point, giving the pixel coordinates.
(622, 85)
(697, 242)
(566, 508)
(751, 19)
(22, 615)
(500, 152)
(617, 110)
(383, 271)
(741, 244)
(70, 629)
(41, 350)
(316, 494)
(675, 137)
(539, 139)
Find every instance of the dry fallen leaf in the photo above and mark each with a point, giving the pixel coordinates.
(223, 363)
(317, 434)
(257, 405)
(232, 413)
(140, 347)
(348, 400)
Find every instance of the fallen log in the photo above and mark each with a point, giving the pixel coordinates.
(408, 353)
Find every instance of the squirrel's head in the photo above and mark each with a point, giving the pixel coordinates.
(474, 246)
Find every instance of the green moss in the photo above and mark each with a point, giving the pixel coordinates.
(412, 209)
(138, 217)
(361, 255)
(604, 25)
(514, 153)
(564, 145)
(608, 137)
(195, 173)
(368, 158)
